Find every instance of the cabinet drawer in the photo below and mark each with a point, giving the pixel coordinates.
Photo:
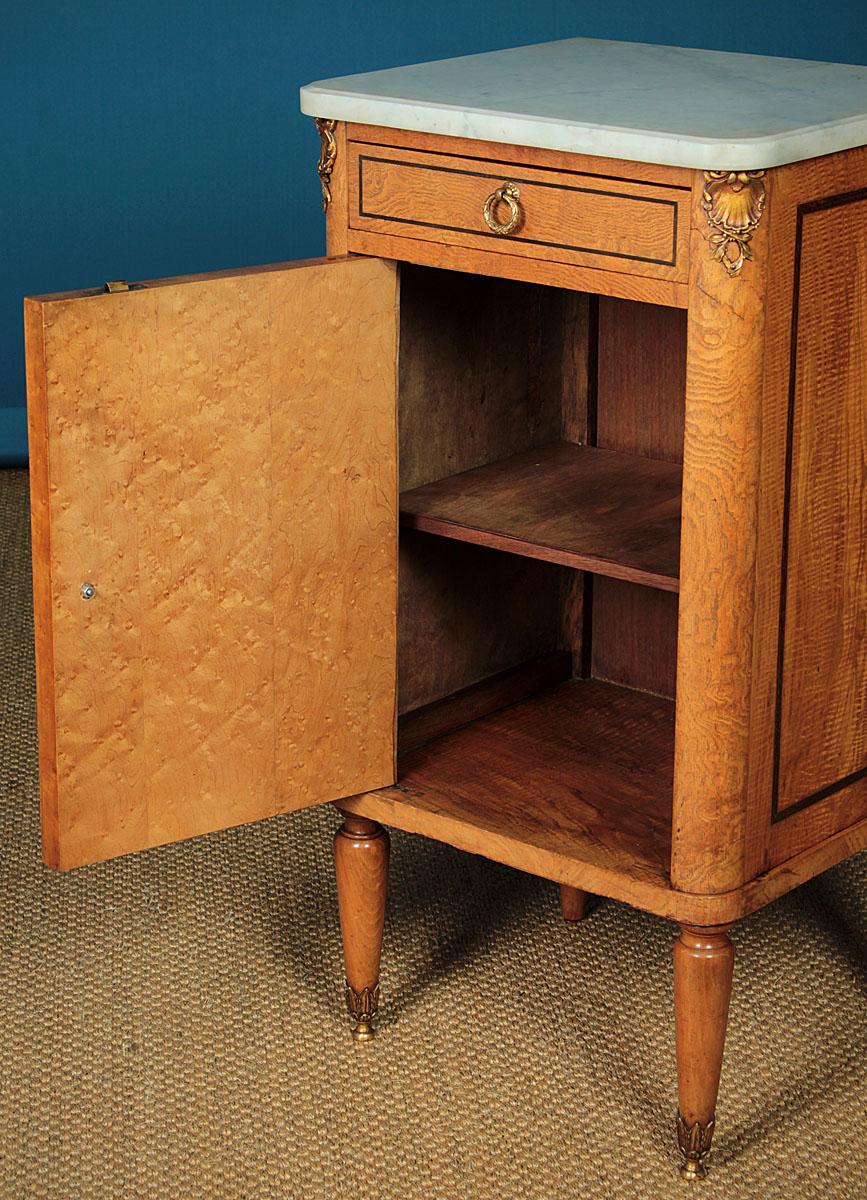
(589, 220)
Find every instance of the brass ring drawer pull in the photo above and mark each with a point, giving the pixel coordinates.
(509, 194)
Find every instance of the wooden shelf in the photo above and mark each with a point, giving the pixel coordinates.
(574, 784)
(596, 510)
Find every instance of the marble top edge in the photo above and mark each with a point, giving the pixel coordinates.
(705, 109)
(697, 51)
(316, 109)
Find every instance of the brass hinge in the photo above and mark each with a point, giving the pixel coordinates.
(121, 285)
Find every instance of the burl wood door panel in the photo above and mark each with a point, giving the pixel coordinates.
(217, 457)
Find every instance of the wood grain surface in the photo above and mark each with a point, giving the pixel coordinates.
(613, 514)
(393, 807)
(466, 612)
(813, 434)
(218, 457)
(510, 266)
(722, 440)
(703, 971)
(480, 699)
(573, 784)
(476, 383)
(640, 388)
(634, 636)
(504, 152)
(822, 735)
(641, 379)
(473, 389)
(608, 223)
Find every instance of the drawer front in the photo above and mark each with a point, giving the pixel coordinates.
(588, 220)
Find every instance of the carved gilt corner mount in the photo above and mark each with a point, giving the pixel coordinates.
(327, 156)
(733, 202)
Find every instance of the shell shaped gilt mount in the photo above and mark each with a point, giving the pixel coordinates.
(733, 202)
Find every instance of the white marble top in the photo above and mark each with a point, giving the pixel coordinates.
(657, 104)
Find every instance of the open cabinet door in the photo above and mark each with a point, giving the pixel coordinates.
(214, 509)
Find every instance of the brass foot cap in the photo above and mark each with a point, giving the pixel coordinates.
(694, 1141)
(362, 1007)
(693, 1169)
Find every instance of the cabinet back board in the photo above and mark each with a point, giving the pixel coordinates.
(217, 457)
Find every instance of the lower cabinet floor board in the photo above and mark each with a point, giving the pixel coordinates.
(573, 784)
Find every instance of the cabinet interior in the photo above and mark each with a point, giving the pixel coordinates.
(541, 440)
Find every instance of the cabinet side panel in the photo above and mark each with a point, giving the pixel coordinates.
(471, 388)
(483, 375)
(821, 717)
(642, 379)
(808, 709)
(634, 636)
(639, 410)
(466, 613)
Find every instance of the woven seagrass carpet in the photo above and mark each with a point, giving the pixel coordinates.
(171, 1023)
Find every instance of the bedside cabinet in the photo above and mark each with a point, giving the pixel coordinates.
(533, 519)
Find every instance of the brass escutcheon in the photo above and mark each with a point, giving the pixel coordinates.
(509, 194)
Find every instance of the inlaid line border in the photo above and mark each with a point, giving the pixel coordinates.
(778, 814)
(560, 187)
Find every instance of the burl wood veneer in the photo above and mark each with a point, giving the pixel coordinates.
(198, 457)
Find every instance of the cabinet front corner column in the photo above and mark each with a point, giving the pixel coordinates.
(331, 169)
(729, 248)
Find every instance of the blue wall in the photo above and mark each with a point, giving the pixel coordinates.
(142, 138)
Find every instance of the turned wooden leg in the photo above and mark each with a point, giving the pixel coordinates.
(361, 863)
(573, 903)
(703, 963)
